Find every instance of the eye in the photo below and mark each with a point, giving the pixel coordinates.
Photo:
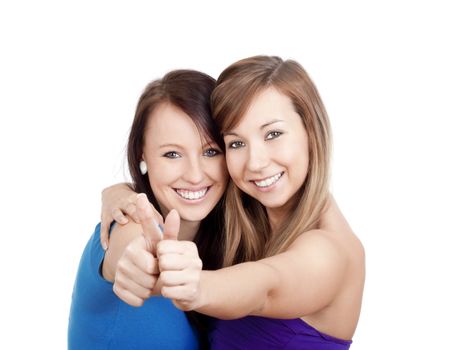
(172, 155)
(211, 152)
(273, 135)
(236, 144)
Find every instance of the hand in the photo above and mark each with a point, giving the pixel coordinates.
(180, 266)
(136, 273)
(137, 269)
(117, 202)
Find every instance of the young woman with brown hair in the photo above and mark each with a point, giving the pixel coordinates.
(175, 156)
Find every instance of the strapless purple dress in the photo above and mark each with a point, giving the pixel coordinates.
(253, 332)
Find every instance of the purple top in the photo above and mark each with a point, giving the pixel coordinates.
(253, 332)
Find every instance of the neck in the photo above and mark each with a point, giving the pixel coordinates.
(188, 230)
(276, 217)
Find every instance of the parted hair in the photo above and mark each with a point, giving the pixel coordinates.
(248, 235)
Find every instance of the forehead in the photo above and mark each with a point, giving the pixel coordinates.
(168, 124)
(267, 105)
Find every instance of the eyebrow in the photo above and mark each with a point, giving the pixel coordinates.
(169, 145)
(175, 145)
(227, 133)
(271, 122)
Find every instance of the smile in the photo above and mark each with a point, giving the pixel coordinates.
(192, 195)
(268, 181)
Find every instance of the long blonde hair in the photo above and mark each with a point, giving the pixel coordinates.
(248, 233)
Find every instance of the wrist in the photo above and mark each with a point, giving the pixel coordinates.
(203, 291)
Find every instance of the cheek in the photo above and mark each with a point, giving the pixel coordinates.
(163, 173)
(234, 164)
(219, 171)
(300, 160)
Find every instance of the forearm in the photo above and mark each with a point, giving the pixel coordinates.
(237, 291)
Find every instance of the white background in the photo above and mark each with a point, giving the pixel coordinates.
(70, 77)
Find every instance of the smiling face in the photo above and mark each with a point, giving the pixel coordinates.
(186, 172)
(267, 153)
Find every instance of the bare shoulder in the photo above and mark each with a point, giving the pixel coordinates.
(335, 225)
(320, 245)
(338, 248)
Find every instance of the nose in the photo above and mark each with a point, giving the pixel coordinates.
(194, 173)
(258, 157)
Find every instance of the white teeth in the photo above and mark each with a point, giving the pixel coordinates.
(192, 195)
(268, 181)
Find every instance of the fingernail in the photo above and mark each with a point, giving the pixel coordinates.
(159, 227)
(104, 245)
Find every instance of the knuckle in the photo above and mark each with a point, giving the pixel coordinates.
(161, 250)
(164, 292)
(121, 268)
(130, 208)
(117, 289)
(163, 262)
(149, 267)
(164, 276)
(193, 292)
(119, 280)
(132, 198)
(198, 264)
(129, 250)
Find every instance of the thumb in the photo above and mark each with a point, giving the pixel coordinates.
(172, 225)
(151, 231)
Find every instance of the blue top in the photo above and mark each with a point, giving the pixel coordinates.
(100, 320)
(253, 332)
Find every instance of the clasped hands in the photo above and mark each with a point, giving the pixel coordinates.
(157, 261)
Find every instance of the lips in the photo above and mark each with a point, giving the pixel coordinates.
(267, 182)
(192, 194)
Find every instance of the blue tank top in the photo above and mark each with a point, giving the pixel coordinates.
(100, 320)
(253, 332)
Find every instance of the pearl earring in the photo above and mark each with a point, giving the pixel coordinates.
(143, 167)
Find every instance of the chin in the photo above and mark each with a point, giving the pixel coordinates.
(274, 203)
(193, 215)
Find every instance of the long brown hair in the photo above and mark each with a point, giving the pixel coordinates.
(248, 233)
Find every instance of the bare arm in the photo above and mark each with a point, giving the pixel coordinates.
(304, 279)
(298, 282)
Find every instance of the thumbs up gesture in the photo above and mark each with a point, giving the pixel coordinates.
(158, 250)
(137, 269)
(179, 262)
(180, 266)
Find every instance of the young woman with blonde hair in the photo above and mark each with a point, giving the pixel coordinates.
(293, 272)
